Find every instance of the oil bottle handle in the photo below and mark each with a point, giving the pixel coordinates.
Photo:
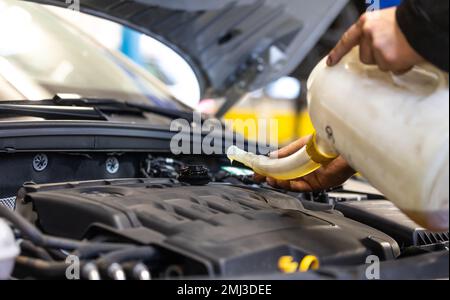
(426, 70)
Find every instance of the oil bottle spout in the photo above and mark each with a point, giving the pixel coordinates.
(303, 162)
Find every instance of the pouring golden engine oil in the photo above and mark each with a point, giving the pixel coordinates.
(392, 129)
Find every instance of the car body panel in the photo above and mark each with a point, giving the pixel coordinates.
(233, 46)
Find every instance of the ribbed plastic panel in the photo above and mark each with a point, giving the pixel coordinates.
(385, 216)
(429, 238)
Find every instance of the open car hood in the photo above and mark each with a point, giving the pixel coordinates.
(234, 46)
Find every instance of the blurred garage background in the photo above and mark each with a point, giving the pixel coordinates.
(283, 100)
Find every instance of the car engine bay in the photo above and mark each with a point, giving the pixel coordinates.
(91, 187)
(137, 216)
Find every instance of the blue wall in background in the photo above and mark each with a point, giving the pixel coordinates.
(130, 44)
(389, 3)
(382, 3)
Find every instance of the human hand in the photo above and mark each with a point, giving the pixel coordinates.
(334, 174)
(381, 42)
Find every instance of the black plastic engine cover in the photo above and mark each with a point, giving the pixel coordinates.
(231, 230)
(385, 216)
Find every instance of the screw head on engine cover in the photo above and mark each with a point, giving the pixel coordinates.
(40, 162)
(112, 165)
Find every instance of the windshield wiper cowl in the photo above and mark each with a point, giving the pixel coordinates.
(52, 112)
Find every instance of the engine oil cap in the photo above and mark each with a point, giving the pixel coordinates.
(195, 175)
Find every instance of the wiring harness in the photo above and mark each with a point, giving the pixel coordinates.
(44, 256)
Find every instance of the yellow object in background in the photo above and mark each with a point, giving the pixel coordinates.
(286, 124)
(290, 125)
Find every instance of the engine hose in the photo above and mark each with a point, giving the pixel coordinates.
(58, 254)
(38, 252)
(93, 250)
(30, 232)
(62, 243)
(40, 268)
(27, 229)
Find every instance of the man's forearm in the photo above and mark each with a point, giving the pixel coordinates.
(425, 25)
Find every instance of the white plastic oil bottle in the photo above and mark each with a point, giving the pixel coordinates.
(392, 129)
